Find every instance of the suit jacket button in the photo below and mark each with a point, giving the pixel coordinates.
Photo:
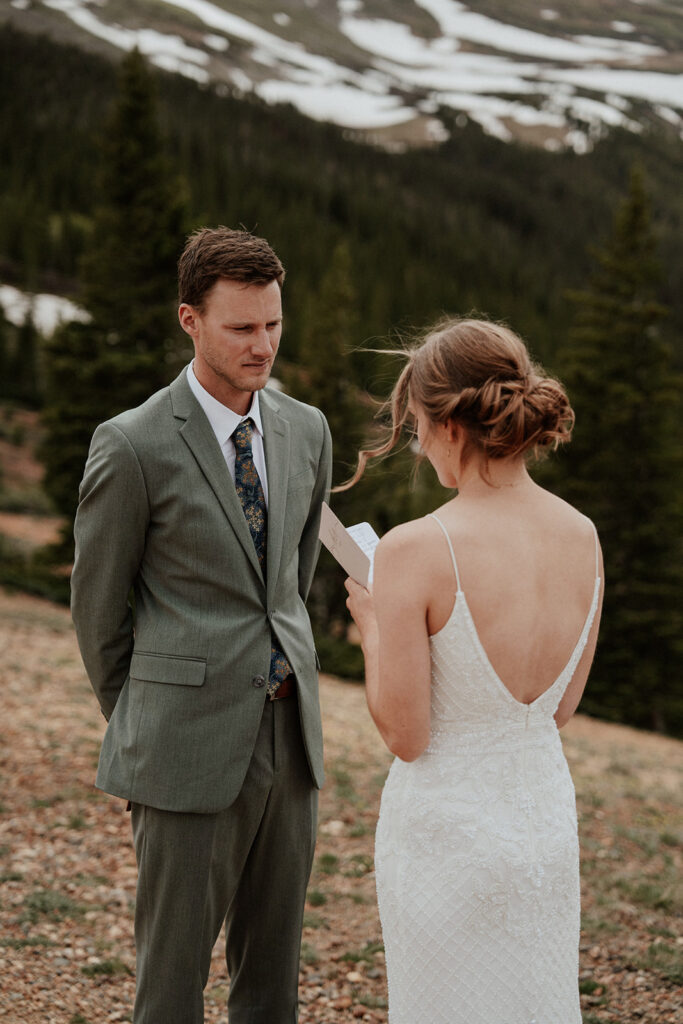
(258, 681)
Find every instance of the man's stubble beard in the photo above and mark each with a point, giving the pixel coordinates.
(236, 385)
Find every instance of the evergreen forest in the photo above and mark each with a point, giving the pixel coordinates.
(106, 169)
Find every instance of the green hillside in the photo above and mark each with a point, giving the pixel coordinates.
(473, 223)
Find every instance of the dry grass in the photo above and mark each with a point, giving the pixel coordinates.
(67, 869)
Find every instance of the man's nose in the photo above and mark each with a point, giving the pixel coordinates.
(261, 342)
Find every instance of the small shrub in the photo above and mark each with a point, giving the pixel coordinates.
(49, 903)
(309, 954)
(666, 959)
(107, 967)
(367, 953)
(30, 940)
(344, 789)
(361, 863)
(328, 863)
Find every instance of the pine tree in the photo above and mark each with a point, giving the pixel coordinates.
(127, 351)
(71, 413)
(129, 268)
(22, 368)
(325, 377)
(623, 469)
(4, 357)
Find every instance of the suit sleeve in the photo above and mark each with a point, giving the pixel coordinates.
(110, 529)
(309, 545)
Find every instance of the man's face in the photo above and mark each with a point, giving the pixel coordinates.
(236, 338)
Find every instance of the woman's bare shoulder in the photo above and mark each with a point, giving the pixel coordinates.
(407, 540)
(569, 516)
(402, 537)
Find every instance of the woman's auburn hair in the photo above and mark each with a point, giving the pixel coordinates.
(477, 374)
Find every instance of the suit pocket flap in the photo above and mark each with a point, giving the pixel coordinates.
(163, 668)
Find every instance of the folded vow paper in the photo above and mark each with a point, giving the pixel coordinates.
(354, 548)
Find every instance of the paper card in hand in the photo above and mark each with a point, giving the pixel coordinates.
(353, 548)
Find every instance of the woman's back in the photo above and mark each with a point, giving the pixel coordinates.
(527, 564)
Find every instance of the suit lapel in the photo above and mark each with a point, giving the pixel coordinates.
(197, 434)
(276, 441)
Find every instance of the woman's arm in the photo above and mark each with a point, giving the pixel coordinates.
(392, 621)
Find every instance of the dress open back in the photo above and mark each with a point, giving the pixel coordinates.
(477, 858)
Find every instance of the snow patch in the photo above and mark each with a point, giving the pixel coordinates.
(435, 130)
(218, 43)
(620, 48)
(653, 86)
(390, 39)
(454, 19)
(169, 52)
(241, 80)
(578, 141)
(667, 114)
(342, 104)
(47, 311)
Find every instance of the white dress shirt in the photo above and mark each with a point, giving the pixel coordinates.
(224, 422)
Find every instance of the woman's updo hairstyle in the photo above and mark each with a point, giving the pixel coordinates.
(479, 375)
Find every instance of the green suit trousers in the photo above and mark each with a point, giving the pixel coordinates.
(248, 867)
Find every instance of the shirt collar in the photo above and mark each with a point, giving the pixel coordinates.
(223, 421)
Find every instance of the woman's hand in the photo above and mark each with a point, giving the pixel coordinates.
(362, 608)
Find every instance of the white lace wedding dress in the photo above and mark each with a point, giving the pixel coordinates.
(476, 853)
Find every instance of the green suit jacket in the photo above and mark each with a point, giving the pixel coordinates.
(180, 678)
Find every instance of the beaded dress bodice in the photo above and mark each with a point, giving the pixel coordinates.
(477, 851)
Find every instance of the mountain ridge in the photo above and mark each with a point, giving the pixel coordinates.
(394, 72)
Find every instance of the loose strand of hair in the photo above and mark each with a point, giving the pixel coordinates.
(397, 405)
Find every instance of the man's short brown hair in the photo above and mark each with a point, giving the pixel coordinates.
(214, 253)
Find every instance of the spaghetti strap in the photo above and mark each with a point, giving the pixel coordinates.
(433, 515)
(597, 549)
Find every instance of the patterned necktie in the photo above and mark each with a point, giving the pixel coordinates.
(250, 493)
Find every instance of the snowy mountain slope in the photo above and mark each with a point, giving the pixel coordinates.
(556, 75)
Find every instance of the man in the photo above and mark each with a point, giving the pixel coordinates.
(205, 503)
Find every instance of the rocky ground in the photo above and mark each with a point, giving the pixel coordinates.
(67, 870)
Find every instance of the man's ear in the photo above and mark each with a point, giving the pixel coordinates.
(187, 317)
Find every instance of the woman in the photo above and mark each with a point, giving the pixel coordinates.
(478, 637)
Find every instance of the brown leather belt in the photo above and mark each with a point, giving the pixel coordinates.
(287, 688)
